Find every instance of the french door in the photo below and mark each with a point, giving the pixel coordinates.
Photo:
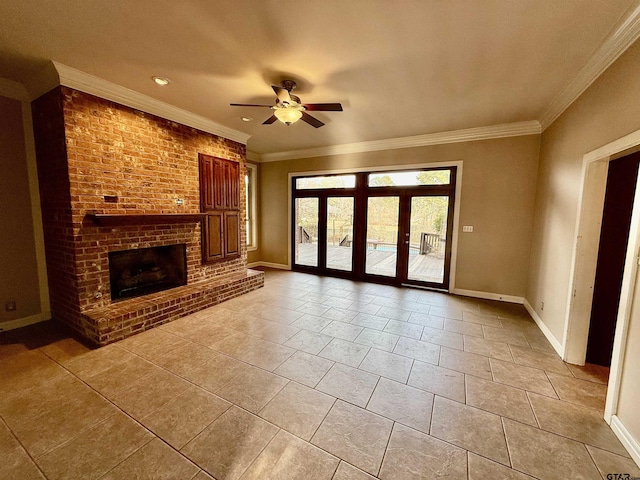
(392, 227)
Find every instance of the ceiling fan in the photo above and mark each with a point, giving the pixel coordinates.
(289, 109)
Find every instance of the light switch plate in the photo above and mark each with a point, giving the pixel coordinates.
(467, 228)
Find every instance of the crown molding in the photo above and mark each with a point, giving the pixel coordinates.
(14, 90)
(70, 77)
(455, 136)
(253, 156)
(621, 38)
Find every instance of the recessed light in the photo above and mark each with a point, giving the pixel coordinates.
(161, 80)
(246, 119)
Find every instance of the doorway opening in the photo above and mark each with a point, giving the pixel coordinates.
(391, 227)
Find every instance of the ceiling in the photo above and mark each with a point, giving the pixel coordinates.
(400, 68)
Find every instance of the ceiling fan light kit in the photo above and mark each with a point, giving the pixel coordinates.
(289, 108)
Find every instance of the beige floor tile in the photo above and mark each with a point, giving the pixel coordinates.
(64, 350)
(370, 320)
(536, 452)
(287, 456)
(427, 320)
(527, 378)
(582, 392)
(488, 348)
(315, 309)
(465, 328)
(500, 399)
(438, 380)
(481, 468)
(412, 455)
(153, 343)
(591, 372)
(210, 333)
(470, 428)
(304, 368)
(418, 350)
(364, 308)
(227, 447)
(402, 403)
(355, 435)
(16, 463)
(539, 342)
(202, 475)
(96, 361)
(274, 331)
(149, 393)
(310, 342)
(275, 313)
(252, 389)
(348, 383)
(504, 335)
(579, 423)
(181, 419)
(282, 302)
(62, 420)
(235, 344)
(347, 471)
(122, 376)
(377, 339)
(342, 330)
(609, 463)
(549, 362)
(440, 337)
(154, 461)
(95, 451)
(394, 313)
(185, 358)
(405, 329)
(216, 372)
(314, 323)
(267, 355)
(390, 365)
(454, 313)
(465, 362)
(345, 352)
(340, 314)
(481, 318)
(298, 409)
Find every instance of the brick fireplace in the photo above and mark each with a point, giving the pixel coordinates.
(113, 179)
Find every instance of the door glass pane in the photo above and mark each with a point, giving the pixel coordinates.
(306, 235)
(405, 179)
(427, 240)
(339, 233)
(382, 236)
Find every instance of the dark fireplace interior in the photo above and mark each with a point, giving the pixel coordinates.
(146, 270)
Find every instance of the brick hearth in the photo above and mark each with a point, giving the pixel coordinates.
(96, 156)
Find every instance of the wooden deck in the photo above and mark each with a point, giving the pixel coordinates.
(424, 268)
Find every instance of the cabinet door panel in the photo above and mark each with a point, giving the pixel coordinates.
(206, 183)
(214, 244)
(232, 233)
(233, 186)
(219, 184)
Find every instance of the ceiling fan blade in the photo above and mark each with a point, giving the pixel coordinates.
(270, 120)
(327, 107)
(282, 94)
(314, 122)
(248, 105)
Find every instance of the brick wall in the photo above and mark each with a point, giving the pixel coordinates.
(89, 148)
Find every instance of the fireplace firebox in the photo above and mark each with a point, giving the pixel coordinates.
(137, 272)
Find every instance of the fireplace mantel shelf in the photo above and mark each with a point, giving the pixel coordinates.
(110, 220)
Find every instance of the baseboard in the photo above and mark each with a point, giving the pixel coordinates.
(487, 295)
(557, 346)
(279, 266)
(23, 322)
(625, 437)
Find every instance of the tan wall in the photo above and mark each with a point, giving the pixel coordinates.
(18, 267)
(608, 110)
(498, 191)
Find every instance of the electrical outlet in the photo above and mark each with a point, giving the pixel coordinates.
(467, 228)
(542, 306)
(10, 306)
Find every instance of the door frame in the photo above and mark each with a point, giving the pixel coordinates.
(388, 168)
(584, 259)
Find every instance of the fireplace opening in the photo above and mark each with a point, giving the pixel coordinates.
(141, 271)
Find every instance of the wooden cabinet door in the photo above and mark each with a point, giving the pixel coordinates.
(206, 183)
(232, 233)
(232, 185)
(213, 240)
(219, 184)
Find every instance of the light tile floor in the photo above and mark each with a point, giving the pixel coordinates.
(311, 378)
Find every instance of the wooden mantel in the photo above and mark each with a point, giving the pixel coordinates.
(111, 220)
